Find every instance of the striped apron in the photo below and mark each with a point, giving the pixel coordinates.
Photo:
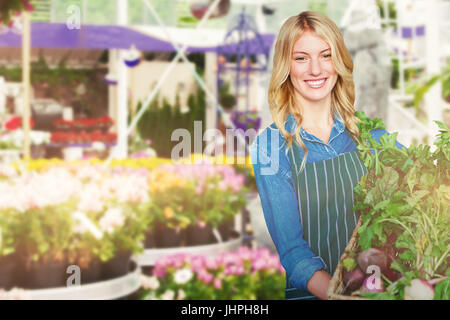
(325, 198)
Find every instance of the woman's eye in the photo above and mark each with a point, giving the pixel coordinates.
(327, 55)
(300, 59)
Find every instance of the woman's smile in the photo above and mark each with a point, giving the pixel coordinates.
(316, 84)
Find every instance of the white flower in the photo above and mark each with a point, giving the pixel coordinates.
(151, 153)
(36, 137)
(7, 170)
(112, 219)
(39, 137)
(150, 283)
(168, 295)
(182, 276)
(98, 146)
(14, 294)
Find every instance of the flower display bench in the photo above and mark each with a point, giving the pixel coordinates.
(150, 256)
(102, 290)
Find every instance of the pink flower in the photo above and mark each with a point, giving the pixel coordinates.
(201, 224)
(204, 276)
(259, 264)
(245, 253)
(217, 283)
(211, 263)
(159, 272)
(197, 262)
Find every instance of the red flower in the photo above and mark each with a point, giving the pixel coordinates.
(105, 120)
(61, 123)
(16, 122)
(82, 137)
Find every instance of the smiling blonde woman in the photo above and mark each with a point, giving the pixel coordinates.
(306, 163)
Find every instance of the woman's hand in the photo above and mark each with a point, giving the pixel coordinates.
(319, 283)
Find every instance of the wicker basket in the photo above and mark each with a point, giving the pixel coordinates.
(336, 288)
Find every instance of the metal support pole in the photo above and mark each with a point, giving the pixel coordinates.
(26, 48)
(121, 150)
(433, 100)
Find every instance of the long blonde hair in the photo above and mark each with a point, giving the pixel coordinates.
(281, 92)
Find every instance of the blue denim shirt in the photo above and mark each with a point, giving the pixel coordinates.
(278, 195)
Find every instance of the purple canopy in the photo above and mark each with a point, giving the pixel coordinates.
(58, 35)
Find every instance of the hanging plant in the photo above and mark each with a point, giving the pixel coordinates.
(132, 57)
(9, 8)
(110, 79)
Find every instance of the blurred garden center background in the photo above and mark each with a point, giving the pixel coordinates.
(115, 163)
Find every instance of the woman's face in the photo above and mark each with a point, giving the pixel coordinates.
(312, 71)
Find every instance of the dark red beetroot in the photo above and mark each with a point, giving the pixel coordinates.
(392, 275)
(371, 257)
(353, 279)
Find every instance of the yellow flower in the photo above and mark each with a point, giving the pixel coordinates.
(168, 213)
(183, 221)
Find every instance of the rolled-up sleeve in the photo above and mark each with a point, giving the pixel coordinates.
(281, 212)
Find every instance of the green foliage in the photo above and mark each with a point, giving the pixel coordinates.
(43, 235)
(422, 89)
(403, 201)
(7, 242)
(41, 72)
(9, 8)
(442, 290)
(349, 264)
(226, 99)
(159, 122)
(392, 13)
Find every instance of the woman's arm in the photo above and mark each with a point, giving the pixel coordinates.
(319, 283)
(280, 208)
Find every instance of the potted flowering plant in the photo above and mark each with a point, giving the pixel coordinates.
(95, 219)
(42, 242)
(216, 196)
(39, 225)
(124, 227)
(242, 274)
(7, 249)
(88, 249)
(246, 120)
(116, 204)
(169, 193)
(195, 198)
